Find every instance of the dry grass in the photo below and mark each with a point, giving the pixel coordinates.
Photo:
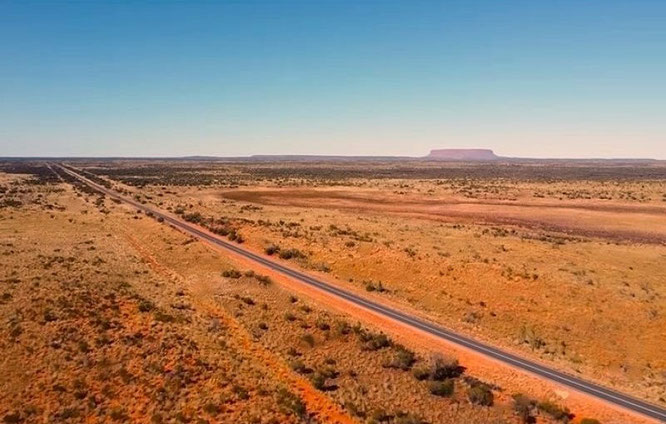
(564, 297)
(90, 333)
(112, 315)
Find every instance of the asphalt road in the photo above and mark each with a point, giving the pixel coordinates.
(628, 402)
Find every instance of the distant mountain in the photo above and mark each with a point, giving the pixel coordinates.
(462, 154)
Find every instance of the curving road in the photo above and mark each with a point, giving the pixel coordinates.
(628, 402)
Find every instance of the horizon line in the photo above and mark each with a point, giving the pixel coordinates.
(333, 156)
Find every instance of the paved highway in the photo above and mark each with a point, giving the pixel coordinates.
(628, 402)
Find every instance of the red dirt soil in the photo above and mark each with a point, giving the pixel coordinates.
(317, 403)
(511, 379)
(638, 223)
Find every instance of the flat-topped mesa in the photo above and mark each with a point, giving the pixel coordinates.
(462, 154)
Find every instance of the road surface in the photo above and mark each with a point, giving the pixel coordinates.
(593, 389)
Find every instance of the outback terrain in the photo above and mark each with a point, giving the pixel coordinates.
(111, 315)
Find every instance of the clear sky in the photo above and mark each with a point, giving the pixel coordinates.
(525, 78)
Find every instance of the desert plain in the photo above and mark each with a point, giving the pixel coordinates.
(111, 315)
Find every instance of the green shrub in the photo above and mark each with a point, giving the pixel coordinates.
(232, 273)
(555, 411)
(421, 373)
(298, 366)
(163, 317)
(264, 280)
(240, 391)
(354, 409)
(308, 339)
(323, 325)
(328, 372)
(222, 231)
(342, 327)
(403, 359)
(83, 346)
(146, 306)
(318, 381)
(291, 254)
(290, 403)
(49, 316)
(523, 406)
(211, 408)
(371, 287)
(194, 217)
(442, 388)
(443, 368)
(374, 342)
(480, 394)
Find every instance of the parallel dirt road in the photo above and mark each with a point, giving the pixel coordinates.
(592, 389)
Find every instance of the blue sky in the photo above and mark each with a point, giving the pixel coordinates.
(525, 78)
